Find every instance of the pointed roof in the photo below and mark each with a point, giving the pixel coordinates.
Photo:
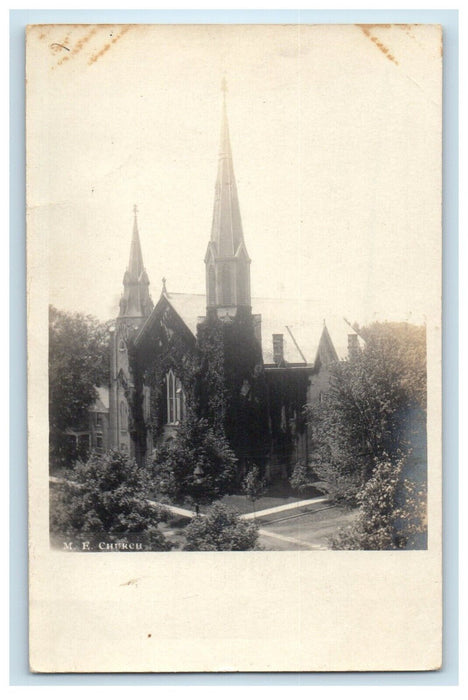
(302, 318)
(135, 262)
(226, 231)
(135, 300)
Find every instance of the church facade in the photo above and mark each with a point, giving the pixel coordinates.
(236, 361)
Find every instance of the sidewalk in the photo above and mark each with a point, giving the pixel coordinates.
(280, 509)
(185, 513)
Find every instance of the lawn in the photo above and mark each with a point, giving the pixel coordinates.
(243, 505)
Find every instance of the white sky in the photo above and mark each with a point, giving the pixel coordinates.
(336, 146)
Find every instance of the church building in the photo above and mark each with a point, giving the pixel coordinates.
(247, 365)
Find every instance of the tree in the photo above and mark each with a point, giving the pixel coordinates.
(107, 501)
(253, 485)
(221, 530)
(197, 465)
(392, 512)
(78, 362)
(375, 406)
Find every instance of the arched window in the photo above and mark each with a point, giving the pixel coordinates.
(171, 397)
(123, 416)
(175, 399)
(226, 285)
(211, 286)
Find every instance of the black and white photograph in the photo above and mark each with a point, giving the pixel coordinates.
(234, 243)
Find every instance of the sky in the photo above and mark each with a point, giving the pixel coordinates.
(336, 140)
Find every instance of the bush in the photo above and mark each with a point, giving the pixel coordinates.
(392, 512)
(107, 502)
(221, 530)
(253, 485)
(196, 466)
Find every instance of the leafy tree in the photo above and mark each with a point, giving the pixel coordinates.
(392, 512)
(253, 485)
(107, 501)
(375, 406)
(221, 530)
(78, 362)
(197, 465)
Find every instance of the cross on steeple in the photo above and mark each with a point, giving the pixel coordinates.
(135, 209)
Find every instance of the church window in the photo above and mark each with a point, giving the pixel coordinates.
(122, 346)
(99, 420)
(123, 416)
(226, 285)
(175, 399)
(99, 443)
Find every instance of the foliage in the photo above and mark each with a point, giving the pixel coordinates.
(392, 512)
(375, 406)
(78, 362)
(196, 465)
(174, 349)
(231, 387)
(222, 376)
(107, 501)
(221, 530)
(253, 485)
(301, 478)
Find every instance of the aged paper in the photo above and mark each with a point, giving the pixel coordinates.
(335, 133)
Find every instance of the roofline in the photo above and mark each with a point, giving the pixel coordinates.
(155, 311)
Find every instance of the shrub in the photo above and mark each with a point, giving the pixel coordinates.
(253, 485)
(221, 530)
(392, 512)
(197, 465)
(107, 501)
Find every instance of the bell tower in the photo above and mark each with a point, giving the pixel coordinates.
(135, 306)
(135, 301)
(227, 261)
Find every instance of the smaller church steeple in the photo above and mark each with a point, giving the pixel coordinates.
(135, 301)
(227, 261)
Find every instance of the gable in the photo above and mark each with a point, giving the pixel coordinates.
(301, 322)
(162, 329)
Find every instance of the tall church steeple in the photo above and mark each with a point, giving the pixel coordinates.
(135, 301)
(227, 261)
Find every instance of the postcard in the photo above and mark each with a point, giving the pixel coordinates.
(234, 347)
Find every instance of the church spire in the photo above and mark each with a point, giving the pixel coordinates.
(135, 263)
(226, 231)
(135, 301)
(227, 261)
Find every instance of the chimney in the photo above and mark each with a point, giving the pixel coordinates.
(278, 348)
(353, 345)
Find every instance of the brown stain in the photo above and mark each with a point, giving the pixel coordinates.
(366, 28)
(132, 582)
(84, 40)
(76, 45)
(107, 46)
